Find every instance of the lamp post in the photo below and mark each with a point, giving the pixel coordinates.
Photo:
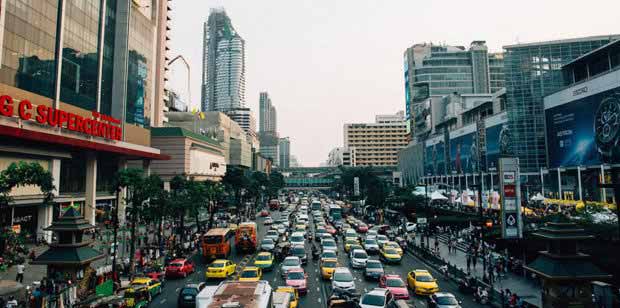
(189, 93)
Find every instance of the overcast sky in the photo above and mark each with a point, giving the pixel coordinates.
(330, 62)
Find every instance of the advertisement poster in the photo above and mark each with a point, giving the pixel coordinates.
(493, 148)
(585, 131)
(462, 149)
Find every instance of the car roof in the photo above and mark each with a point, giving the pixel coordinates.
(297, 234)
(264, 253)
(220, 261)
(250, 268)
(292, 257)
(444, 294)
(342, 269)
(141, 280)
(178, 260)
(422, 272)
(360, 250)
(378, 291)
(329, 259)
(392, 276)
(296, 270)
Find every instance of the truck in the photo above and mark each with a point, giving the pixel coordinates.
(233, 294)
(245, 237)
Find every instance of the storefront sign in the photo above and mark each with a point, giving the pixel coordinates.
(100, 125)
(512, 225)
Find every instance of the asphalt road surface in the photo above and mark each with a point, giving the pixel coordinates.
(318, 289)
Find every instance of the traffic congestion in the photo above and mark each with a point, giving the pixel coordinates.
(304, 253)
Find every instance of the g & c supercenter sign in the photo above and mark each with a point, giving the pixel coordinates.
(100, 125)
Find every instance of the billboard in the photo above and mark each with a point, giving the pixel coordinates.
(494, 140)
(434, 162)
(421, 92)
(585, 131)
(462, 148)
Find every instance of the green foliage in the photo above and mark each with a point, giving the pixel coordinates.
(21, 174)
(372, 187)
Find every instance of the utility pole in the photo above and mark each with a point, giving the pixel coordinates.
(616, 187)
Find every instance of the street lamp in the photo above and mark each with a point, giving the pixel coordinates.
(189, 93)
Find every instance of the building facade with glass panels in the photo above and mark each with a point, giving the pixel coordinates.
(77, 87)
(532, 71)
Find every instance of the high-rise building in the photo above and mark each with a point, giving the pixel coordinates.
(80, 89)
(294, 162)
(161, 61)
(284, 146)
(438, 70)
(377, 144)
(270, 146)
(223, 64)
(341, 156)
(533, 70)
(268, 115)
(245, 119)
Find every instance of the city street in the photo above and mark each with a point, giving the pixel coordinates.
(318, 289)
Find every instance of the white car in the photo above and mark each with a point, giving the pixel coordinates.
(290, 263)
(267, 244)
(268, 221)
(370, 245)
(328, 244)
(342, 279)
(411, 227)
(273, 234)
(358, 258)
(297, 238)
(382, 239)
(376, 298)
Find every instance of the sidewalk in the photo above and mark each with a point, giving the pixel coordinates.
(525, 288)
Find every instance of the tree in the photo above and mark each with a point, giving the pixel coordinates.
(215, 190)
(21, 174)
(376, 191)
(235, 182)
(139, 190)
(178, 200)
(259, 182)
(276, 182)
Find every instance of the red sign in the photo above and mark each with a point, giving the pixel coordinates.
(100, 125)
(510, 191)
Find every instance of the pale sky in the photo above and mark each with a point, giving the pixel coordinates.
(330, 62)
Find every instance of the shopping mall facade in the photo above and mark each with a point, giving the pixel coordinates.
(80, 87)
(579, 126)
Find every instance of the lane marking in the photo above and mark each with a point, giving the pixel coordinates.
(162, 301)
(177, 289)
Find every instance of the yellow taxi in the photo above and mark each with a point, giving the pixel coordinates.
(220, 268)
(264, 261)
(349, 242)
(422, 282)
(328, 266)
(392, 244)
(294, 295)
(300, 227)
(250, 273)
(153, 286)
(390, 255)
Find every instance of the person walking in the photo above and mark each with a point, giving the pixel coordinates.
(474, 260)
(468, 262)
(20, 272)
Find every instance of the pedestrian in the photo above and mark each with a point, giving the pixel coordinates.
(491, 278)
(436, 244)
(468, 262)
(484, 263)
(20, 272)
(473, 261)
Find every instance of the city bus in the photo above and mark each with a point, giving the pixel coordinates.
(335, 212)
(217, 243)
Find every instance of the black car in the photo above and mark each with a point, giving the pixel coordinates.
(187, 295)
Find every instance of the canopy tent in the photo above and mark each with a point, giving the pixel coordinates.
(538, 197)
(438, 196)
(420, 191)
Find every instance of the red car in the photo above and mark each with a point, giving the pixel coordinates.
(264, 213)
(362, 228)
(179, 268)
(297, 279)
(395, 285)
(330, 230)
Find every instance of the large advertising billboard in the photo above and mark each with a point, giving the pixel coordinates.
(585, 131)
(494, 140)
(434, 162)
(463, 155)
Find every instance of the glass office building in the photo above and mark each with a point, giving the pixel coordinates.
(532, 71)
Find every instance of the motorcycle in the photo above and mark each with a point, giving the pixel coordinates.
(481, 296)
(315, 253)
(467, 285)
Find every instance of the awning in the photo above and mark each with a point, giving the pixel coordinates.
(53, 139)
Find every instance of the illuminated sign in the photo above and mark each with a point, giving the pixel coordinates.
(100, 125)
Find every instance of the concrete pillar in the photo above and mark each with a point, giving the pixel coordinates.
(120, 202)
(579, 183)
(603, 191)
(560, 184)
(45, 214)
(491, 175)
(466, 184)
(542, 183)
(90, 195)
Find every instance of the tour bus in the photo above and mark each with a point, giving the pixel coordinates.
(335, 212)
(245, 238)
(246, 294)
(217, 243)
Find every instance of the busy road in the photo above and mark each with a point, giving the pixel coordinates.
(318, 289)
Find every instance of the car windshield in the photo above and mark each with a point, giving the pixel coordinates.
(391, 251)
(263, 258)
(329, 243)
(424, 278)
(373, 265)
(395, 283)
(189, 291)
(330, 264)
(371, 242)
(329, 254)
(267, 241)
(360, 255)
(291, 262)
(373, 300)
(217, 264)
(382, 238)
(298, 250)
(297, 238)
(446, 300)
(343, 276)
(295, 276)
(213, 239)
(175, 264)
(249, 274)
